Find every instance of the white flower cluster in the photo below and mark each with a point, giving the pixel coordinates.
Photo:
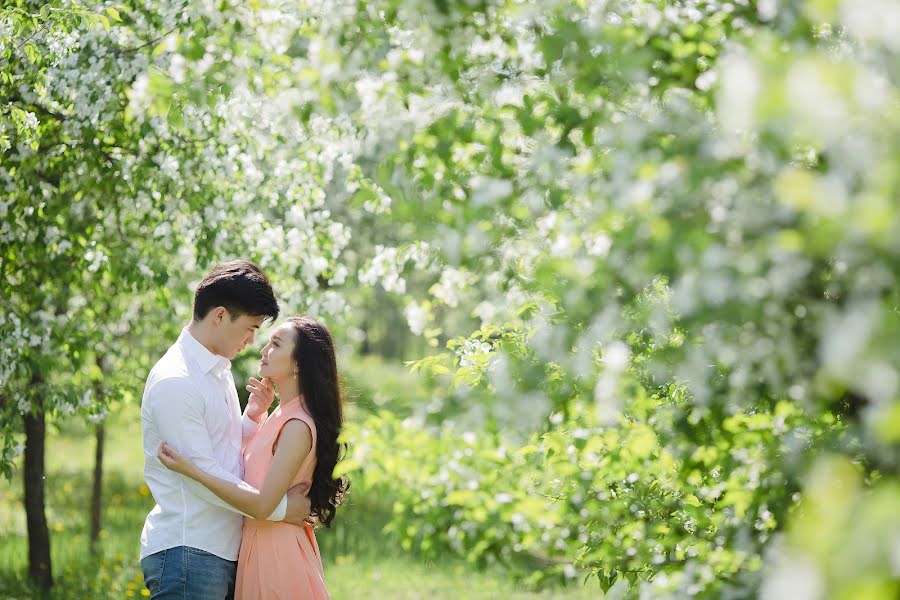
(417, 316)
(379, 202)
(387, 266)
(328, 303)
(453, 283)
(472, 352)
(13, 452)
(18, 334)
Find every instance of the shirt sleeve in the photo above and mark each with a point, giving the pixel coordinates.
(248, 428)
(177, 409)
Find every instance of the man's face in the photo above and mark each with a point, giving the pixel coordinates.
(233, 335)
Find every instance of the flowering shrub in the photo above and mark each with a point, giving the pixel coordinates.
(636, 500)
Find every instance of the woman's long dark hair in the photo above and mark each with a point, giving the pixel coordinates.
(314, 355)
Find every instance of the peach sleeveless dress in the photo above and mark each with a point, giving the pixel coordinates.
(278, 561)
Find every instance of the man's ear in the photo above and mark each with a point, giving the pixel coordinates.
(219, 313)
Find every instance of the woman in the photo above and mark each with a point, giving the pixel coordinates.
(297, 443)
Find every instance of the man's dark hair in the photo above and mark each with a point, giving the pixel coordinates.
(239, 286)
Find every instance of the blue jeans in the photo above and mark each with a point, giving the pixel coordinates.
(185, 573)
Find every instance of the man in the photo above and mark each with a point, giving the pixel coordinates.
(191, 538)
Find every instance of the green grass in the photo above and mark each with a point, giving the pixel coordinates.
(406, 579)
(360, 560)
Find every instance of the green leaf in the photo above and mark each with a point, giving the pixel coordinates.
(643, 442)
(460, 497)
(345, 466)
(32, 53)
(161, 88)
(159, 48)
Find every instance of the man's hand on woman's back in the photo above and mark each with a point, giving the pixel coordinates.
(298, 504)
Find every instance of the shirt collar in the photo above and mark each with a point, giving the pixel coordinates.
(206, 360)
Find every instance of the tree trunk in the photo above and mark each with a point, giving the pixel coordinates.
(97, 495)
(365, 348)
(39, 567)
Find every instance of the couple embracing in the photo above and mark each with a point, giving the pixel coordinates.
(237, 495)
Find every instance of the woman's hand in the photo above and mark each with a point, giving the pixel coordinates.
(174, 461)
(262, 394)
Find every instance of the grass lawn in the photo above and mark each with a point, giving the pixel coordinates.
(360, 562)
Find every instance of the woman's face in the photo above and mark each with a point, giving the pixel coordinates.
(277, 360)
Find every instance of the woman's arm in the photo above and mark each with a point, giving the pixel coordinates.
(294, 444)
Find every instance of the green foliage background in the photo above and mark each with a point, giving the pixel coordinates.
(646, 252)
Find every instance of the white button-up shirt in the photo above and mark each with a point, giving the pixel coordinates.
(190, 401)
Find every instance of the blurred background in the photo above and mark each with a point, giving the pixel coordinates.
(614, 282)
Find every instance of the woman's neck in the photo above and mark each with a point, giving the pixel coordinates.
(288, 388)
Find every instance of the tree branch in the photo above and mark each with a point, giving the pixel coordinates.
(124, 49)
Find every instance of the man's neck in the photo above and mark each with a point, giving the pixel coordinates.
(199, 332)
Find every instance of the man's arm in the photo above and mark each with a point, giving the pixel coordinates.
(294, 446)
(177, 410)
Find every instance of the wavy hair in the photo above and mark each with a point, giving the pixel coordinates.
(315, 358)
